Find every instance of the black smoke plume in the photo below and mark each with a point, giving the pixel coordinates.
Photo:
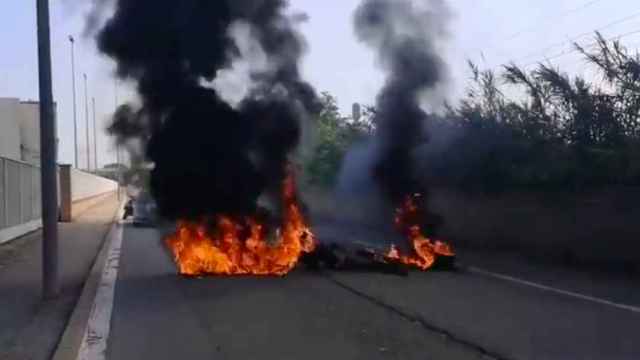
(209, 157)
(406, 36)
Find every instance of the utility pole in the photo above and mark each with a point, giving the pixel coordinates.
(86, 118)
(75, 115)
(48, 171)
(95, 136)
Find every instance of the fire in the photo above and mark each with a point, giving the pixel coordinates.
(424, 250)
(233, 246)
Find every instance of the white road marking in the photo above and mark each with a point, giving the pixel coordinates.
(96, 335)
(480, 271)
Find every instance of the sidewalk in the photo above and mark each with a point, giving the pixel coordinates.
(29, 327)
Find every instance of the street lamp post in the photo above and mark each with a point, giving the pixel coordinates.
(86, 117)
(75, 116)
(48, 171)
(95, 135)
(119, 174)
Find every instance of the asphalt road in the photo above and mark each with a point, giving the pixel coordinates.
(307, 315)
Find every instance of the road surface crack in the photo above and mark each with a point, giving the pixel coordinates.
(488, 354)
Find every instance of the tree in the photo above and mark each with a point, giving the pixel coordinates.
(334, 136)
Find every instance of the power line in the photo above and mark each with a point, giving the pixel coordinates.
(560, 16)
(581, 35)
(567, 52)
(536, 27)
(570, 51)
(585, 64)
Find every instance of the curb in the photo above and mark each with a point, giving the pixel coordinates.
(71, 340)
(10, 234)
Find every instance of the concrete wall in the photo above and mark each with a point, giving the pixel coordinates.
(589, 227)
(78, 188)
(85, 185)
(28, 117)
(595, 228)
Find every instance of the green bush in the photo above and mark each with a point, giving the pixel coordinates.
(562, 133)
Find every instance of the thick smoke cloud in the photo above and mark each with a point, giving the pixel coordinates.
(406, 36)
(209, 157)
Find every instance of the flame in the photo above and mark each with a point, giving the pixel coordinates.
(424, 250)
(243, 246)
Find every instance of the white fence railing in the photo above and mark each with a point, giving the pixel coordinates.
(20, 196)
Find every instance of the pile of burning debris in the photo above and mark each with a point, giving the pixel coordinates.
(247, 246)
(211, 155)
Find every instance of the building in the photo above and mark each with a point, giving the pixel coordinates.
(20, 130)
(9, 129)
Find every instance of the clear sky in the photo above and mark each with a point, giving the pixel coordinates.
(490, 32)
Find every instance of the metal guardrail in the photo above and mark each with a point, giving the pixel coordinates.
(20, 194)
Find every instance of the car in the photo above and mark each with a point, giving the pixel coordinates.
(144, 210)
